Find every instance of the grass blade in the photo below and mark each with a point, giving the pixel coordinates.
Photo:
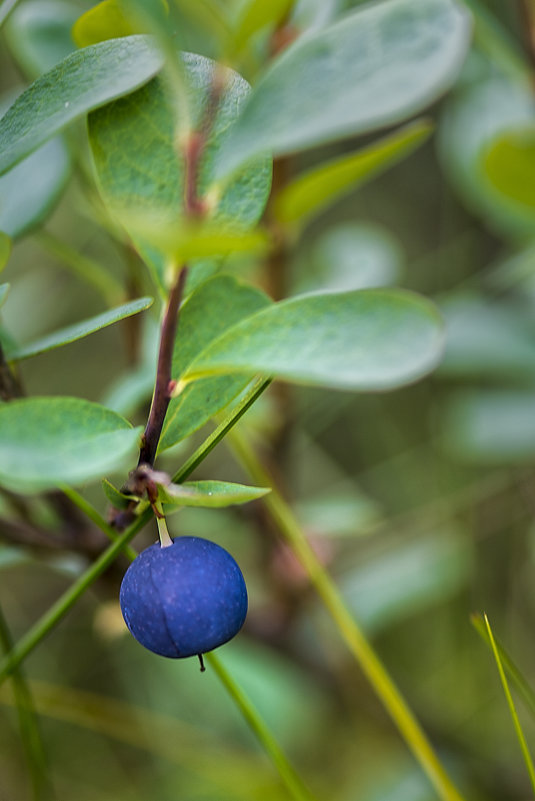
(291, 779)
(349, 629)
(29, 728)
(512, 709)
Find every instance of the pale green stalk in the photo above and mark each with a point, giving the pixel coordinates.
(89, 510)
(29, 729)
(291, 779)
(508, 663)
(518, 728)
(355, 639)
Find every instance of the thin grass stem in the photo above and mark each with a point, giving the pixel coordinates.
(362, 650)
(289, 776)
(29, 728)
(516, 722)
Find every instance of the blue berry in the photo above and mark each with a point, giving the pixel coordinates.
(185, 599)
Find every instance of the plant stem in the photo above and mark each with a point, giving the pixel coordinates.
(162, 395)
(291, 779)
(9, 386)
(29, 729)
(90, 511)
(355, 639)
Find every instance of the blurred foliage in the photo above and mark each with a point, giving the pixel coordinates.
(420, 502)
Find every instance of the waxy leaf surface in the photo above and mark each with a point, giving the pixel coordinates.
(29, 191)
(316, 189)
(374, 67)
(141, 175)
(49, 442)
(365, 340)
(83, 81)
(38, 34)
(213, 494)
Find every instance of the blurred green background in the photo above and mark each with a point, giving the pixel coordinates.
(420, 502)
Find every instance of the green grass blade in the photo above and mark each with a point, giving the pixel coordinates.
(291, 779)
(29, 729)
(355, 639)
(512, 709)
(511, 668)
(90, 512)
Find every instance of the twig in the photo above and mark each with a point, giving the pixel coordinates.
(9, 386)
(163, 386)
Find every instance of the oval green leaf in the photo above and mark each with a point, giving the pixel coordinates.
(316, 189)
(82, 82)
(213, 494)
(141, 174)
(494, 427)
(510, 166)
(375, 67)
(109, 19)
(38, 34)
(77, 331)
(364, 340)
(475, 116)
(351, 256)
(30, 190)
(50, 442)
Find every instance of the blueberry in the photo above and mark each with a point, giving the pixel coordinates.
(184, 599)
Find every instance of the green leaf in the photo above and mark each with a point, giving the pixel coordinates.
(189, 240)
(494, 427)
(49, 442)
(117, 499)
(209, 493)
(474, 117)
(141, 174)
(4, 289)
(352, 256)
(77, 331)
(375, 67)
(213, 308)
(30, 190)
(107, 20)
(5, 249)
(516, 722)
(488, 339)
(38, 34)
(366, 340)
(83, 81)
(510, 166)
(312, 192)
(257, 15)
(6, 7)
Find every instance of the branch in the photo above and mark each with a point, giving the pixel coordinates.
(163, 386)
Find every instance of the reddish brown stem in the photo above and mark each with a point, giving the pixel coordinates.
(162, 396)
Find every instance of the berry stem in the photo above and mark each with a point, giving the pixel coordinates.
(165, 539)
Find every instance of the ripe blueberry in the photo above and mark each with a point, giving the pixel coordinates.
(184, 599)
